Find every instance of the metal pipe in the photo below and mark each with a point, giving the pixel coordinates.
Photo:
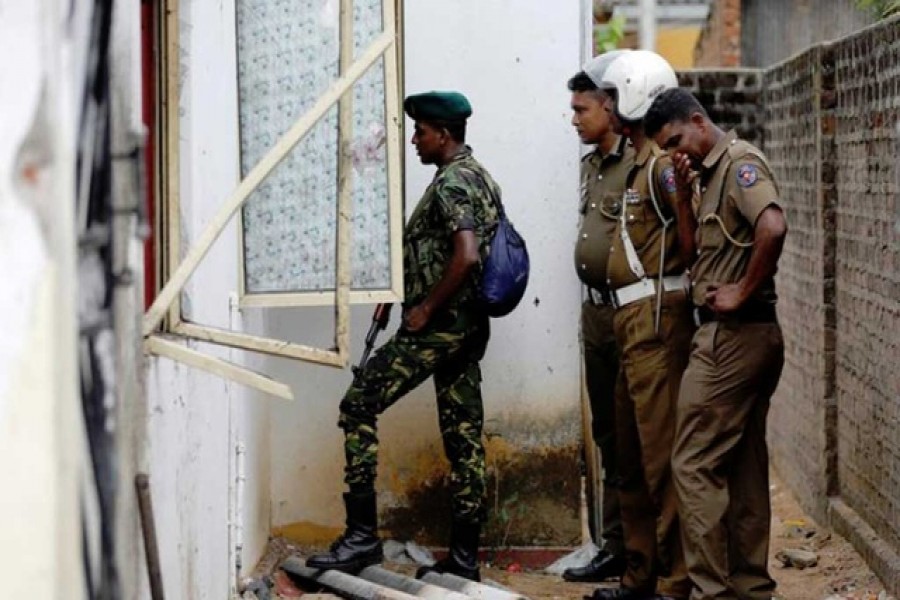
(240, 479)
(478, 591)
(148, 527)
(416, 587)
(346, 585)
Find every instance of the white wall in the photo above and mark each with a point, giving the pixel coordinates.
(198, 422)
(42, 458)
(512, 59)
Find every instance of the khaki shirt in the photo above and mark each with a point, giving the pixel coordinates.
(736, 186)
(602, 183)
(644, 225)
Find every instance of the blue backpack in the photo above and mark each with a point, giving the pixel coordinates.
(504, 274)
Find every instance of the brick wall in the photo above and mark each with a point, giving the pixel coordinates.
(831, 133)
(732, 98)
(720, 41)
(802, 442)
(867, 273)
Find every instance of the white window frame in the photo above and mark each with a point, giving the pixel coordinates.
(165, 310)
(394, 121)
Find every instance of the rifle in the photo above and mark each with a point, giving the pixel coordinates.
(380, 319)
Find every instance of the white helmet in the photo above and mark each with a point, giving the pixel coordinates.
(638, 77)
(596, 67)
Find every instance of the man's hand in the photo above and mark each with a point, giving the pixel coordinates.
(416, 318)
(725, 299)
(684, 176)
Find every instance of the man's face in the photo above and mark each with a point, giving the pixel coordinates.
(591, 112)
(429, 142)
(684, 138)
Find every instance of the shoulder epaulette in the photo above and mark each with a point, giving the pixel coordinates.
(740, 148)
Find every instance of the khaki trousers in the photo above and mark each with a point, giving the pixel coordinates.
(646, 394)
(720, 461)
(601, 366)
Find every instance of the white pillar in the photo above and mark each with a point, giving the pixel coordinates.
(647, 25)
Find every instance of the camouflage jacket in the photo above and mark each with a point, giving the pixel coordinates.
(461, 196)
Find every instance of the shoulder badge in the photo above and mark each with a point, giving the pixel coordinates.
(668, 179)
(747, 175)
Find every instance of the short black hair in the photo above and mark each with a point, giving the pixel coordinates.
(675, 104)
(456, 129)
(580, 82)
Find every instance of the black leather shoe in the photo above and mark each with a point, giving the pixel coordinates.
(621, 593)
(603, 566)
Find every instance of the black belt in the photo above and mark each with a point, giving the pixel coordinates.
(752, 313)
(599, 296)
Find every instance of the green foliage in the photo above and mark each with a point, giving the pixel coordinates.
(880, 8)
(608, 35)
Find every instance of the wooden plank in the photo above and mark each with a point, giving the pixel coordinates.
(216, 366)
(259, 344)
(237, 198)
(394, 128)
(171, 175)
(289, 299)
(343, 273)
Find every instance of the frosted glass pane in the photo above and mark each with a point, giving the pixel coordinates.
(288, 53)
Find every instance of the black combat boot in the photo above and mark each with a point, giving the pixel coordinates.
(462, 556)
(359, 545)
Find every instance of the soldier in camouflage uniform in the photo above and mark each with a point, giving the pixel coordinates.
(444, 334)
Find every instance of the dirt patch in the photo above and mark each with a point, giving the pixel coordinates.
(839, 574)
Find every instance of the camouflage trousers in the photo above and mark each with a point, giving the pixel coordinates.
(449, 349)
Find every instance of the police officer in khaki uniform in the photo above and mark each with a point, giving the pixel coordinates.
(653, 329)
(603, 174)
(720, 460)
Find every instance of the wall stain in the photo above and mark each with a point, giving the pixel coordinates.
(533, 500)
(308, 533)
(533, 488)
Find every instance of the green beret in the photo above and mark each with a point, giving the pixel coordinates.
(437, 106)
